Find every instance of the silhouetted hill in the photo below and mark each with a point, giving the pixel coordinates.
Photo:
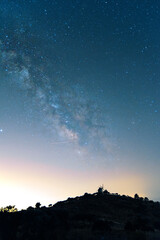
(92, 216)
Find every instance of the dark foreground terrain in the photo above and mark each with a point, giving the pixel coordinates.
(99, 216)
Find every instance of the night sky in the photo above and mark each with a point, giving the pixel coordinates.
(79, 99)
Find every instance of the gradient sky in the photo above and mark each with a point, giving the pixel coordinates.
(79, 99)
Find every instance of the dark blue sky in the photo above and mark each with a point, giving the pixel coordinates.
(81, 79)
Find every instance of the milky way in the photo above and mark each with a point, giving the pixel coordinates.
(69, 113)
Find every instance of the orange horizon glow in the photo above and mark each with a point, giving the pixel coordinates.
(25, 184)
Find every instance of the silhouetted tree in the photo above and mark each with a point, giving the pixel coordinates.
(106, 192)
(146, 199)
(136, 196)
(100, 189)
(38, 205)
(9, 209)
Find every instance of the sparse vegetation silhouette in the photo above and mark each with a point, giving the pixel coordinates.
(101, 215)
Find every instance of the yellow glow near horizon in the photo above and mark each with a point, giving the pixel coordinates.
(25, 184)
(22, 198)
